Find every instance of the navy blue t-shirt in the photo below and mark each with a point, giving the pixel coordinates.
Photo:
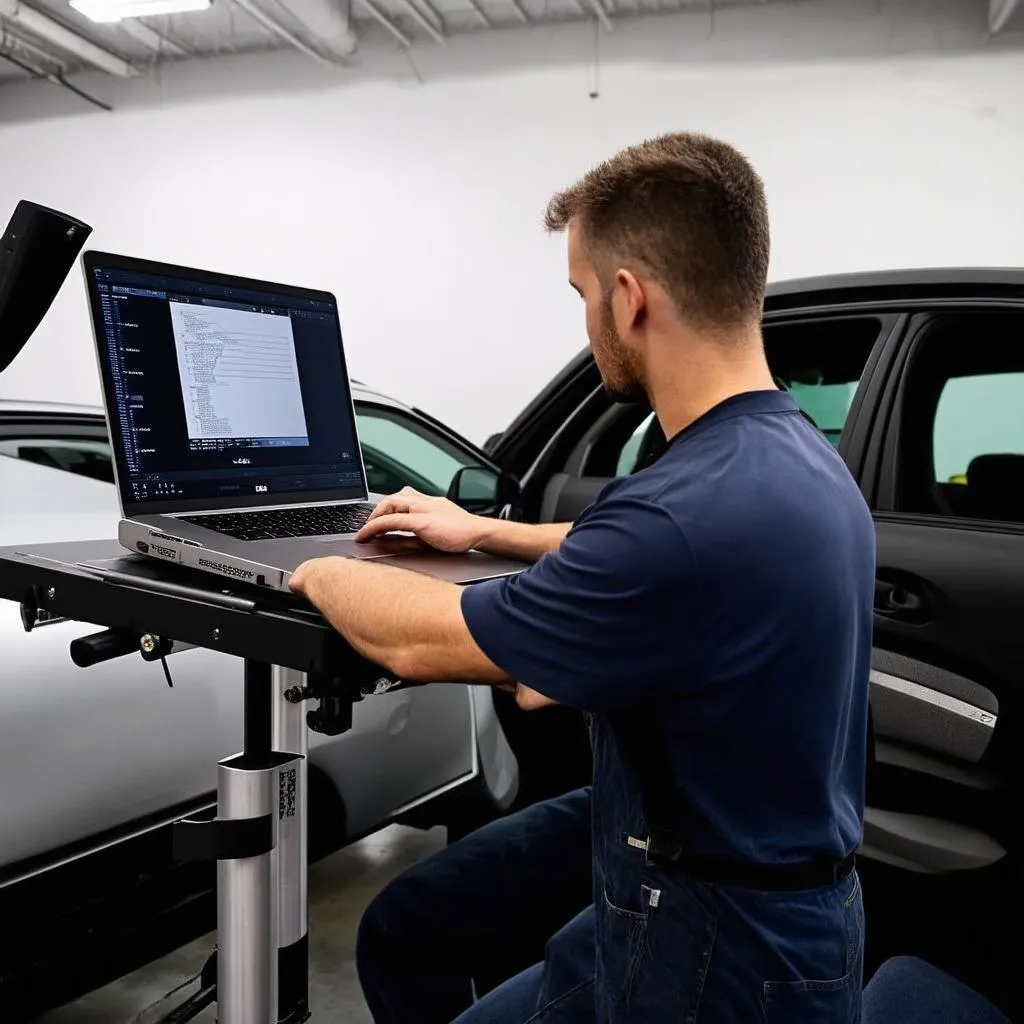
(723, 598)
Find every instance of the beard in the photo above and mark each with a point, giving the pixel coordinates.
(621, 371)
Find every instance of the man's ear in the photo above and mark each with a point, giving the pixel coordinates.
(632, 300)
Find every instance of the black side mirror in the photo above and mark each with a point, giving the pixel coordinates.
(483, 490)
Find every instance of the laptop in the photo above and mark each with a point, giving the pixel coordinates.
(233, 428)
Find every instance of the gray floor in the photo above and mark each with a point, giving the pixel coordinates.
(339, 889)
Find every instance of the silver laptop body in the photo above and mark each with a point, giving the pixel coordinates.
(232, 426)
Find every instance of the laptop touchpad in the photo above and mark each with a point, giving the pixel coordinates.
(381, 547)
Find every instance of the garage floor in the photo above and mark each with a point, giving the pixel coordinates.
(339, 888)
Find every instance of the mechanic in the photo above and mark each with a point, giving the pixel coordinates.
(711, 614)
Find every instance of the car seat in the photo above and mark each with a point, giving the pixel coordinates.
(995, 488)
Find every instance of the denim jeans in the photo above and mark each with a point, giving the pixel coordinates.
(654, 946)
(905, 990)
(476, 913)
(698, 955)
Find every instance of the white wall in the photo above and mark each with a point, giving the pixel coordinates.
(889, 134)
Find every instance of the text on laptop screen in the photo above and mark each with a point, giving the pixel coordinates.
(223, 395)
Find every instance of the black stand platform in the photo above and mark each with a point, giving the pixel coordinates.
(258, 837)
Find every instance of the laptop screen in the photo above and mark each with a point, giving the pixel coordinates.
(221, 392)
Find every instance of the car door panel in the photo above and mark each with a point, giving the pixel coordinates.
(917, 704)
(97, 749)
(402, 746)
(926, 845)
(941, 699)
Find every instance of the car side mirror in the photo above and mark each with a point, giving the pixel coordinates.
(483, 490)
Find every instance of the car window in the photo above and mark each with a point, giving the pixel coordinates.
(631, 449)
(977, 415)
(961, 443)
(819, 363)
(400, 450)
(82, 456)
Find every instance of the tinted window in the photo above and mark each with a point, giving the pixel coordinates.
(961, 437)
(977, 415)
(400, 451)
(85, 457)
(819, 362)
(629, 456)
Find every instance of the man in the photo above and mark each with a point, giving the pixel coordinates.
(712, 616)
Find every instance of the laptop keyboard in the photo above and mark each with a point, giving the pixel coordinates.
(273, 524)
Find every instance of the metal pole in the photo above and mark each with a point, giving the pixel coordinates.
(258, 704)
(246, 907)
(291, 851)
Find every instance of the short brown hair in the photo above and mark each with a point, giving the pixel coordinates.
(690, 210)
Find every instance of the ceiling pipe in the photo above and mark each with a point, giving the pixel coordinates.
(275, 27)
(602, 15)
(65, 39)
(423, 21)
(14, 44)
(481, 13)
(148, 37)
(55, 78)
(328, 21)
(520, 11)
(374, 11)
(999, 13)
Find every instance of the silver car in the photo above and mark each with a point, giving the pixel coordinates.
(97, 763)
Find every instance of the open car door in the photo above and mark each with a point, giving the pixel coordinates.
(945, 462)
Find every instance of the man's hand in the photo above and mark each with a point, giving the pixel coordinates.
(436, 521)
(444, 525)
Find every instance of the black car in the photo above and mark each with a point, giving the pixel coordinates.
(918, 378)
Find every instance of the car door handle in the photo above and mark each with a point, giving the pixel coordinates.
(899, 600)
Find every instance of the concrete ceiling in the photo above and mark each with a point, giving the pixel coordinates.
(48, 39)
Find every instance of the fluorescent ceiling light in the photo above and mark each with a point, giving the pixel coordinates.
(116, 10)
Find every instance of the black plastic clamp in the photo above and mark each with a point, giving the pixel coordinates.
(223, 838)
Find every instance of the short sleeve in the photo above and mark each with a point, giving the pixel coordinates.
(612, 616)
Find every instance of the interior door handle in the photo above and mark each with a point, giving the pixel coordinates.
(899, 601)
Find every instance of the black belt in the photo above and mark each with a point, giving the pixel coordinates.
(664, 850)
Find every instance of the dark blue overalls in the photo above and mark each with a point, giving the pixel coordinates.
(712, 614)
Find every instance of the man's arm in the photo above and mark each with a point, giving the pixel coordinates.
(444, 525)
(404, 621)
(526, 541)
(407, 622)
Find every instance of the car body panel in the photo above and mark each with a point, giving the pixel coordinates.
(102, 748)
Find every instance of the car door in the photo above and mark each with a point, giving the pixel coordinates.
(100, 749)
(944, 464)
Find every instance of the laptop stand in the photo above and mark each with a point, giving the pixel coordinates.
(260, 971)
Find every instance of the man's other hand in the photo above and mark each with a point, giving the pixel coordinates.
(530, 700)
(436, 521)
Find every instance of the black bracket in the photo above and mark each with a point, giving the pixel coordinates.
(196, 839)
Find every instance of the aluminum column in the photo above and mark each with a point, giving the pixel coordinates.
(289, 737)
(246, 907)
